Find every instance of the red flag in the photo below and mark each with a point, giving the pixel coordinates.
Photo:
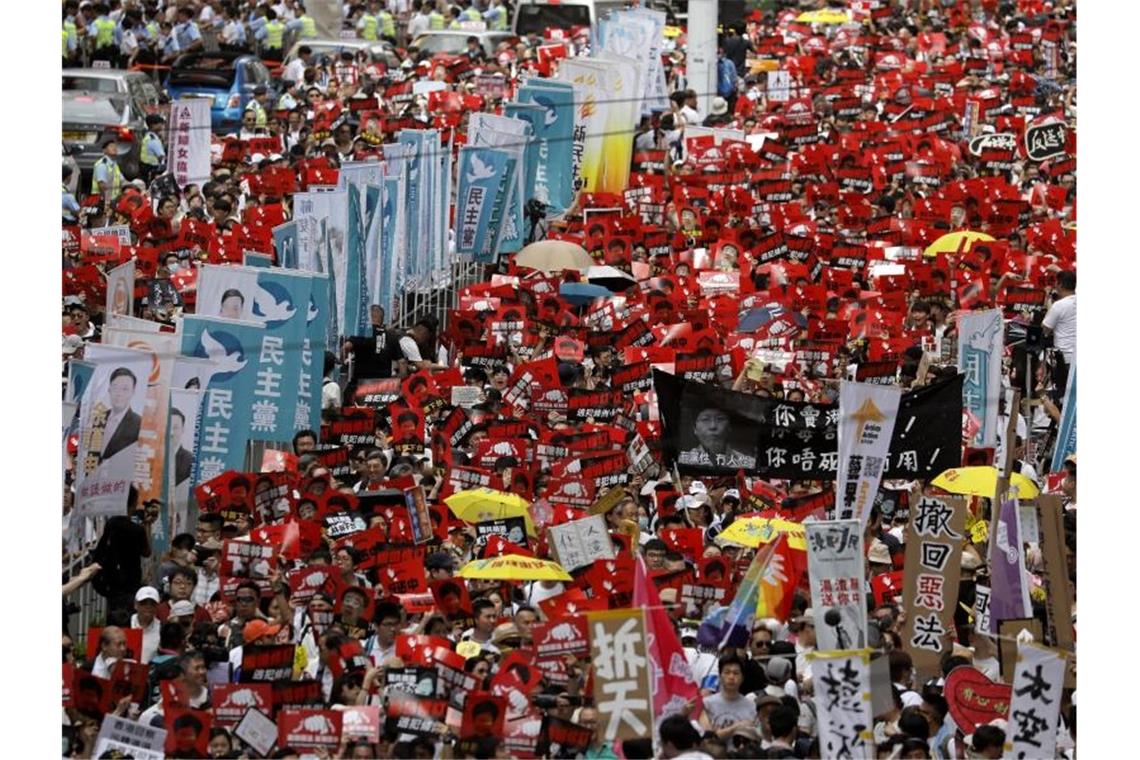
(673, 683)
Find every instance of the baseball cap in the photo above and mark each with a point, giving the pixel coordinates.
(879, 553)
(256, 629)
(181, 608)
(148, 592)
(731, 493)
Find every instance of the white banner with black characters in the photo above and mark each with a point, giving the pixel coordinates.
(1036, 702)
(110, 422)
(842, 685)
(835, 570)
(130, 739)
(980, 339)
(866, 421)
(188, 158)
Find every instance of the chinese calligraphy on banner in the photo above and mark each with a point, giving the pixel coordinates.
(621, 673)
(1036, 703)
(843, 702)
(189, 155)
(835, 569)
(933, 551)
(979, 356)
(866, 421)
(579, 542)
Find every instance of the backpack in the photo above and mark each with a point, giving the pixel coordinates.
(725, 78)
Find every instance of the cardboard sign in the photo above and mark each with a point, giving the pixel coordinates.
(231, 701)
(309, 729)
(258, 731)
(975, 700)
(621, 666)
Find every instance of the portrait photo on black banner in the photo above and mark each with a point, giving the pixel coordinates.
(711, 436)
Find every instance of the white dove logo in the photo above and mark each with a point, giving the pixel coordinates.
(318, 724)
(224, 361)
(313, 311)
(551, 115)
(244, 698)
(268, 308)
(480, 170)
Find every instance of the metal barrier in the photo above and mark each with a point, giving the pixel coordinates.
(91, 607)
(438, 301)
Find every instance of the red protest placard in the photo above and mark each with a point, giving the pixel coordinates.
(483, 715)
(129, 678)
(68, 680)
(361, 722)
(318, 579)
(231, 700)
(90, 694)
(309, 729)
(187, 732)
(451, 597)
(560, 637)
(405, 577)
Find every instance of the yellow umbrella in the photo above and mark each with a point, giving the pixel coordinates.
(514, 567)
(826, 16)
(482, 504)
(982, 481)
(673, 32)
(553, 256)
(753, 531)
(950, 242)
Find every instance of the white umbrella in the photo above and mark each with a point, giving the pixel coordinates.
(553, 256)
(611, 278)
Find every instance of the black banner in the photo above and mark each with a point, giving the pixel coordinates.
(711, 431)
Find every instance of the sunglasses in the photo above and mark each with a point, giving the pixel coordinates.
(246, 598)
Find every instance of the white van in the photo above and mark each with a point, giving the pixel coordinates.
(533, 16)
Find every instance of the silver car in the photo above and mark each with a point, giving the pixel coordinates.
(91, 118)
(134, 84)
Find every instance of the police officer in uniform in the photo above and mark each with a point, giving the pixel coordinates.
(386, 21)
(435, 18)
(107, 178)
(106, 36)
(272, 37)
(152, 155)
(257, 106)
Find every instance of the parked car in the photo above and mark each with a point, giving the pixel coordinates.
(226, 79)
(378, 50)
(454, 41)
(135, 84)
(90, 118)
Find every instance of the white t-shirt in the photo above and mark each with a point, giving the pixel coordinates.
(410, 349)
(1062, 320)
(294, 71)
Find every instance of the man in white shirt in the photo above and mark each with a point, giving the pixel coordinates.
(112, 648)
(146, 618)
(1061, 323)
(295, 70)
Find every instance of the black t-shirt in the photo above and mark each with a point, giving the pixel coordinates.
(119, 552)
(375, 356)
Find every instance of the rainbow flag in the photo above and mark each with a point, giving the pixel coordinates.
(733, 624)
